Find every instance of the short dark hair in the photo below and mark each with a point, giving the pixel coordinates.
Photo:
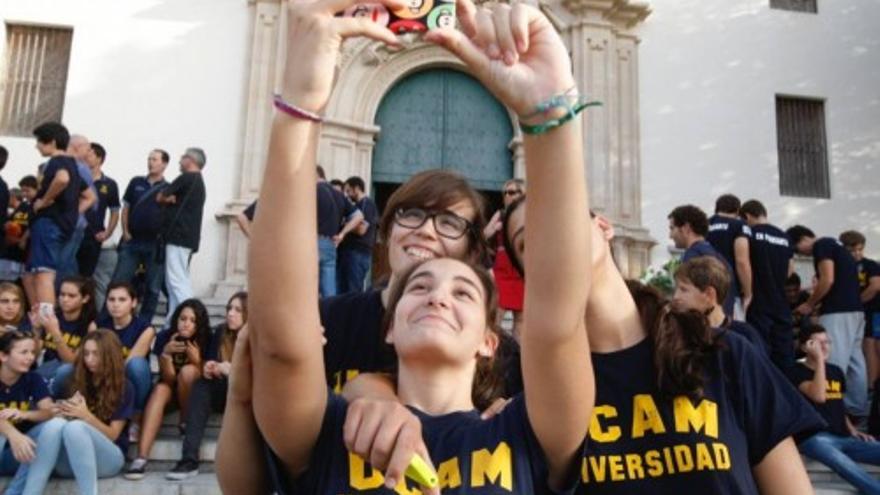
(754, 208)
(793, 279)
(727, 203)
(852, 238)
(797, 233)
(693, 216)
(356, 182)
(4, 155)
(320, 171)
(100, 152)
(807, 331)
(28, 181)
(53, 132)
(162, 154)
(336, 182)
(704, 272)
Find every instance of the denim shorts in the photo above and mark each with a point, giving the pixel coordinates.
(47, 241)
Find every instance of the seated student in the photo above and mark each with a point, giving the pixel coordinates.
(136, 335)
(12, 306)
(25, 405)
(87, 440)
(441, 312)
(839, 446)
(700, 283)
(180, 349)
(795, 296)
(63, 332)
(209, 392)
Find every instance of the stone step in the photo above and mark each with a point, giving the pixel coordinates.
(826, 488)
(169, 450)
(152, 484)
(822, 474)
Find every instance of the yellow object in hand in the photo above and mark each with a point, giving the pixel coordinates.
(419, 471)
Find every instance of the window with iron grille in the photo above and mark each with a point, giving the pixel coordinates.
(795, 5)
(803, 151)
(34, 77)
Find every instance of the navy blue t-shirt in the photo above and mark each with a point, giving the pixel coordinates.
(869, 269)
(355, 340)
(749, 333)
(144, 212)
(64, 210)
(4, 200)
(770, 254)
(833, 410)
(472, 456)
(641, 441)
(364, 242)
(71, 331)
(179, 359)
(703, 248)
(333, 209)
(24, 394)
(843, 296)
(723, 232)
(108, 198)
(128, 334)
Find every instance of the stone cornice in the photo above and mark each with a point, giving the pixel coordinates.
(624, 13)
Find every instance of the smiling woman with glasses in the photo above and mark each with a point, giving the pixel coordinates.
(446, 223)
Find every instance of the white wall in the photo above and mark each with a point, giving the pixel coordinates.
(146, 74)
(710, 70)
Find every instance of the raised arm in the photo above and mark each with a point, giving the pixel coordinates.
(289, 392)
(555, 354)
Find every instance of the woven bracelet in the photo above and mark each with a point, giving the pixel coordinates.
(543, 127)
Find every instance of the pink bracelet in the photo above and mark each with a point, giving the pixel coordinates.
(295, 111)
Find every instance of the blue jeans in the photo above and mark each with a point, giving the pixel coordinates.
(132, 254)
(177, 277)
(841, 454)
(87, 455)
(8, 464)
(351, 269)
(326, 266)
(68, 264)
(58, 381)
(137, 370)
(47, 242)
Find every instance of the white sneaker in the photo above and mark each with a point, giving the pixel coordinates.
(136, 470)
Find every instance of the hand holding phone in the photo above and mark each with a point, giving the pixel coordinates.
(415, 17)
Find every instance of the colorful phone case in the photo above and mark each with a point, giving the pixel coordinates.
(418, 15)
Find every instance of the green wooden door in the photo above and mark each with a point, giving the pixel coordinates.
(442, 118)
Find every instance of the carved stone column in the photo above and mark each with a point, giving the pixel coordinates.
(264, 68)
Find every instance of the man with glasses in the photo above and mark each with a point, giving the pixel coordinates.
(510, 285)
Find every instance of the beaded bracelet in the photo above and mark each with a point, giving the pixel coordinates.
(295, 111)
(554, 123)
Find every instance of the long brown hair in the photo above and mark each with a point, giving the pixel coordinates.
(488, 381)
(437, 189)
(104, 389)
(684, 342)
(227, 345)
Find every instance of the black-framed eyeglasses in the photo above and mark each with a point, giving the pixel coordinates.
(446, 223)
(512, 192)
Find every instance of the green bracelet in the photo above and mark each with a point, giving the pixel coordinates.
(542, 128)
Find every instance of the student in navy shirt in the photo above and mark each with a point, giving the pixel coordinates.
(440, 313)
(729, 235)
(699, 284)
(772, 263)
(337, 216)
(355, 253)
(96, 230)
(869, 288)
(688, 227)
(840, 445)
(17, 237)
(841, 310)
(25, 405)
(141, 221)
(136, 334)
(89, 439)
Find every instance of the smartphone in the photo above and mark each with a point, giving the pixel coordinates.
(417, 16)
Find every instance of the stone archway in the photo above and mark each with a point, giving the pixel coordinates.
(603, 44)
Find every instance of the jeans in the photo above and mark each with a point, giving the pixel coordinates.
(206, 395)
(106, 264)
(68, 264)
(846, 331)
(49, 371)
(841, 454)
(17, 484)
(351, 270)
(326, 266)
(8, 464)
(58, 382)
(137, 370)
(46, 244)
(87, 455)
(177, 277)
(132, 254)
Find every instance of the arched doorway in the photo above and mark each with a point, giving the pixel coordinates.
(441, 118)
